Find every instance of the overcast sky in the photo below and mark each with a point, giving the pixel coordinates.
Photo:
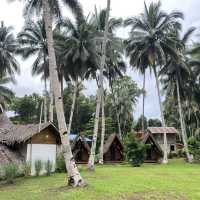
(11, 14)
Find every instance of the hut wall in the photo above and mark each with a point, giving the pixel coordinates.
(171, 140)
(44, 137)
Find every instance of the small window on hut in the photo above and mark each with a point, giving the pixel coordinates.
(172, 148)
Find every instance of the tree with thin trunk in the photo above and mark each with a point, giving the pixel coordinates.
(75, 46)
(152, 33)
(178, 73)
(91, 160)
(42, 6)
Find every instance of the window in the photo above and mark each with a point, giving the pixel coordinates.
(172, 147)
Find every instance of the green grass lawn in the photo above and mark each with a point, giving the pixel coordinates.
(175, 181)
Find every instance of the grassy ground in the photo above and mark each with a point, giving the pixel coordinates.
(175, 181)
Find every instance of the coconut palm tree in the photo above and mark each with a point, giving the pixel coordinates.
(5, 93)
(153, 33)
(32, 40)
(8, 48)
(178, 73)
(100, 90)
(49, 11)
(75, 46)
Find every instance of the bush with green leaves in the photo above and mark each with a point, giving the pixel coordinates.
(194, 148)
(10, 172)
(27, 168)
(48, 167)
(60, 163)
(38, 167)
(135, 150)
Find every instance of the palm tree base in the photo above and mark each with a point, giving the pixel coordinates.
(165, 161)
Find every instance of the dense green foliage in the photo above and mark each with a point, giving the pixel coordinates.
(194, 146)
(38, 167)
(135, 150)
(10, 172)
(27, 108)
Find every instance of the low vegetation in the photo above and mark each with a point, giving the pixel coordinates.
(148, 182)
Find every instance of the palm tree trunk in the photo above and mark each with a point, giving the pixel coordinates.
(165, 146)
(45, 100)
(51, 106)
(143, 98)
(74, 177)
(183, 128)
(100, 95)
(116, 110)
(102, 132)
(72, 107)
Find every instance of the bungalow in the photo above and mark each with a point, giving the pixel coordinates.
(158, 135)
(113, 149)
(154, 153)
(80, 148)
(20, 143)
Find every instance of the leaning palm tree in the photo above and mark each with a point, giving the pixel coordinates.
(153, 32)
(178, 73)
(100, 90)
(8, 48)
(32, 40)
(5, 93)
(49, 11)
(75, 46)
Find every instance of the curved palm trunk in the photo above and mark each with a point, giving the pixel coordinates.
(100, 93)
(72, 107)
(74, 177)
(165, 146)
(183, 128)
(102, 132)
(143, 98)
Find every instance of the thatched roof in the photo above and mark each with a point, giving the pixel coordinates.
(156, 130)
(83, 140)
(109, 142)
(8, 156)
(10, 133)
(149, 135)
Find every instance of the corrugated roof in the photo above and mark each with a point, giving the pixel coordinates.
(155, 130)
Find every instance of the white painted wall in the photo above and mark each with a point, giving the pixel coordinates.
(43, 152)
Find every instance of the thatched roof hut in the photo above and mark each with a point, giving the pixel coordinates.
(113, 149)
(80, 149)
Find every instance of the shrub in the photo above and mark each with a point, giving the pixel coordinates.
(60, 163)
(135, 151)
(27, 168)
(38, 167)
(48, 167)
(10, 172)
(194, 148)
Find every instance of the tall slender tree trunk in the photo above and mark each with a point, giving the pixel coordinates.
(100, 93)
(45, 100)
(143, 98)
(117, 112)
(165, 146)
(74, 177)
(73, 106)
(183, 128)
(102, 132)
(51, 105)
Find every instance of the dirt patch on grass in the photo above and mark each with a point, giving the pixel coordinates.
(156, 196)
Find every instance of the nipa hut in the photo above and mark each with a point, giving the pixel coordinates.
(80, 149)
(154, 153)
(27, 142)
(113, 149)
